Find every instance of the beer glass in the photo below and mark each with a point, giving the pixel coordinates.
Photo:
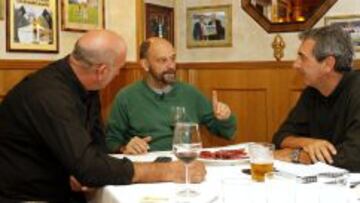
(261, 160)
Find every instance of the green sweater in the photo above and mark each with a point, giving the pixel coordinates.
(139, 111)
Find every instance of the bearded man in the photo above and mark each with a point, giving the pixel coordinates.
(140, 119)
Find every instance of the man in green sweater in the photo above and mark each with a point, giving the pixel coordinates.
(140, 119)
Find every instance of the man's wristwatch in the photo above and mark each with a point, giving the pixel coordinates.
(295, 155)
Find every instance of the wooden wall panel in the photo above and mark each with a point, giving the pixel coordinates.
(130, 73)
(260, 93)
(248, 93)
(12, 71)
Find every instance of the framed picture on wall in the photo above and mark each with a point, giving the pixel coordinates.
(209, 26)
(159, 22)
(350, 23)
(82, 15)
(2, 9)
(32, 26)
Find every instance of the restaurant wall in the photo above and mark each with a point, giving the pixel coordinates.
(120, 17)
(259, 90)
(166, 3)
(250, 41)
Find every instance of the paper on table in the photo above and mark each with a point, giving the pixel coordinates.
(307, 173)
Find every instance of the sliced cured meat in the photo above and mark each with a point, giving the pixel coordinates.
(224, 154)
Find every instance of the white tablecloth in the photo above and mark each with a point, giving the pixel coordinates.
(226, 183)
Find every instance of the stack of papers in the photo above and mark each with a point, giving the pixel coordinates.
(308, 173)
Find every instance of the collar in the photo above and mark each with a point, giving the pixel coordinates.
(158, 91)
(69, 75)
(340, 87)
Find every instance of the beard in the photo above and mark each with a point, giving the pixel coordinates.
(166, 77)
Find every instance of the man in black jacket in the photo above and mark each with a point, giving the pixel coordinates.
(325, 123)
(50, 129)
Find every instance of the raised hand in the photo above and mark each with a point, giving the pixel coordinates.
(221, 110)
(137, 145)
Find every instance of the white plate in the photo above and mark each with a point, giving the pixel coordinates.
(224, 162)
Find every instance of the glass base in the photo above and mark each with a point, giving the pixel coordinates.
(187, 193)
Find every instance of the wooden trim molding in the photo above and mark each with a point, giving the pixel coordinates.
(15, 64)
(236, 65)
(245, 65)
(140, 21)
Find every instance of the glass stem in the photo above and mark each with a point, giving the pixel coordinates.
(187, 178)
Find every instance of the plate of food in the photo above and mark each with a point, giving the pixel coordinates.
(224, 156)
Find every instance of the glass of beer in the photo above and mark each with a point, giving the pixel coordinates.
(261, 160)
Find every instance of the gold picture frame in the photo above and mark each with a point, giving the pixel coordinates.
(82, 15)
(32, 26)
(350, 23)
(209, 26)
(2, 9)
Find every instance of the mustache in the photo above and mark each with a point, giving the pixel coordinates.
(169, 72)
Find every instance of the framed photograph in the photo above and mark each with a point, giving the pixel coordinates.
(32, 26)
(209, 26)
(2, 9)
(350, 23)
(82, 15)
(159, 22)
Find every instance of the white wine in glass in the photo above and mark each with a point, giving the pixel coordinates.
(186, 147)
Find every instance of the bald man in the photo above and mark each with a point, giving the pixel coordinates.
(50, 129)
(140, 118)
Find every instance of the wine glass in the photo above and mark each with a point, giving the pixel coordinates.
(178, 114)
(186, 147)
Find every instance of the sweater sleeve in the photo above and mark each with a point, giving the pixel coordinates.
(117, 125)
(223, 128)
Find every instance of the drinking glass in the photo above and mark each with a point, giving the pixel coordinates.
(178, 114)
(261, 160)
(186, 147)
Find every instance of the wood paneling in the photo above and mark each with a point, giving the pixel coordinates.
(131, 72)
(259, 93)
(12, 71)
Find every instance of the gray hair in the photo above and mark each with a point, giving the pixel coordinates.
(91, 57)
(331, 41)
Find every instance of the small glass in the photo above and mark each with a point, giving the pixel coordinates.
(178, 114)
(261, 160)
(186, 147)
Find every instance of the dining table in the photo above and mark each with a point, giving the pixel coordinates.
(227, 181)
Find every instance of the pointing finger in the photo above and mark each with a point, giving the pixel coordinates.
(215, 100)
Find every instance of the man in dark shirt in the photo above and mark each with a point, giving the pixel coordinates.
(325, 123)
(50, 129)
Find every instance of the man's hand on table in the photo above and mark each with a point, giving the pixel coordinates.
(137, 145)
(320, 150)
(316, 149)
(197, 172)
(284, 155)
(150, 172)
